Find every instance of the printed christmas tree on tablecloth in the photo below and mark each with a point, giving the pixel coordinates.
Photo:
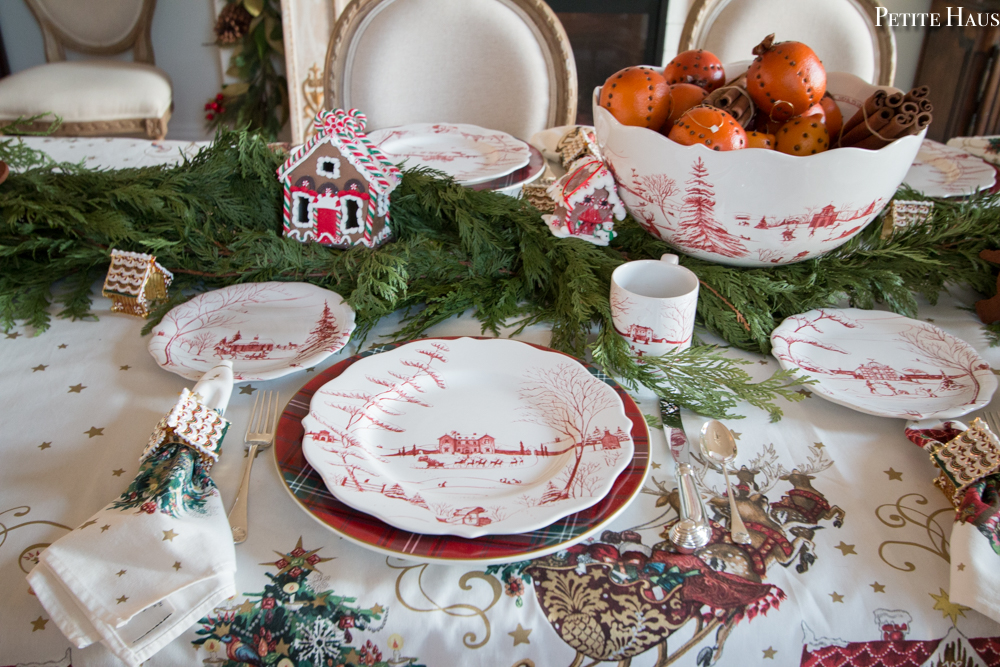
(290, 624)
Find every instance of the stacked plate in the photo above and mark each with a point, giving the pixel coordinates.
(472, 450)
(474, 156)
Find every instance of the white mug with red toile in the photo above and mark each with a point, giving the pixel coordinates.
(653, 304)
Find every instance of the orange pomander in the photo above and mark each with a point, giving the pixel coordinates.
(682, 96)
(760, 140)
(711, 127)
(803, 135)
(636, 96)
(699, 67)
(834, 119)
(785, 79)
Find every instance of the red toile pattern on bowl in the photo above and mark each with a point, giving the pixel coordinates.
(754, 207)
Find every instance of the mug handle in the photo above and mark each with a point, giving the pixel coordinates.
(669, 258)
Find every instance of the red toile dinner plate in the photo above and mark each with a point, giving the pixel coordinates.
(308, 489)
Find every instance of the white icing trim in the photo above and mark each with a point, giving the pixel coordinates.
(320, 171)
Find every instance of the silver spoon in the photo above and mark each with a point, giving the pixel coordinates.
(717, 443)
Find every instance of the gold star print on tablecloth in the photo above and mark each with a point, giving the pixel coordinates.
(836, 597)
(44, 445)
(520, 635)
(846, 548)
(960, 567)
(94, 431)
(805, 392)
(769, 652)
(948, 608)
(76, 388)
(118, 473)
(248, 389)
(176, 565)
(13, 335)
(818, 445)
(123, 599)
(246, 607)
(877, 587)
(124, 368)
(39, 367)
(119, 573)
(105, 527)
(893, 475)
(655, 465)
(297, 557)
(378, 609)
(38, 624)
(169, 535)
(63, 346)
(736, 435)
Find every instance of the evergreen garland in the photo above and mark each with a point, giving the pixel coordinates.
(258, 101)
(214, 221)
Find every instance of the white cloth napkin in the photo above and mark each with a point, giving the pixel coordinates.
(146, 567)
(975, 534)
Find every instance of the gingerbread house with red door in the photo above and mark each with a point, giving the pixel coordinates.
(337, 184)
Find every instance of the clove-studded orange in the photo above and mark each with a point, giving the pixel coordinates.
(803, 135)
(699, 67)
(785, 79)
(711, 127)
(682, 96)
(760, 140)
(636, 96)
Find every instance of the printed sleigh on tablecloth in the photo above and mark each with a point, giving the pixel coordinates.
(337, 185)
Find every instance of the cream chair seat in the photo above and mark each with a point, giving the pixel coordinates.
(843, 33)
(501, 64)
(96, 96)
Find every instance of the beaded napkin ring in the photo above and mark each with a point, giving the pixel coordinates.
(192, 424)
(965, 459)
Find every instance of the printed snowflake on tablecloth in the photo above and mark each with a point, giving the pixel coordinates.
(290, 623)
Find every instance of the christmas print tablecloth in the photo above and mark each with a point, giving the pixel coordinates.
(851, 565)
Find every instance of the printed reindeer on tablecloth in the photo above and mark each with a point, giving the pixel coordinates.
(780, 532)
(615, 598)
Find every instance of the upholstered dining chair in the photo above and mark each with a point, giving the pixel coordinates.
(93, 97)
(844, 33)
(501, 64)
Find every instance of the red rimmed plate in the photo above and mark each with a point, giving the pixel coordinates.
(308, 490)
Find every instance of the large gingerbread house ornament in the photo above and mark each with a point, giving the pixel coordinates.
(337, 184)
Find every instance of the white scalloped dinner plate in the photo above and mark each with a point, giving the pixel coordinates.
(267, 329)
(468, 153)
(467, 437)
(884, 364)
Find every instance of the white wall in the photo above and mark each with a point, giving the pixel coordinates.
(908, 40)
(182, 43)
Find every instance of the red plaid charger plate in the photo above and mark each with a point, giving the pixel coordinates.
(307, 489)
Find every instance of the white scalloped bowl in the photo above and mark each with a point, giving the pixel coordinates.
(754, 207)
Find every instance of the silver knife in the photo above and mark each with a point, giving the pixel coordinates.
(691, 531)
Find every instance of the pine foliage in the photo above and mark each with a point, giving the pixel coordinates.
(215, 220)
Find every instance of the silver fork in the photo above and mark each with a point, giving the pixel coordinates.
(260, 435)
(992, 420)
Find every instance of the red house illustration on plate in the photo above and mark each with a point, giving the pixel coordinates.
(337, 184)
(453, 443)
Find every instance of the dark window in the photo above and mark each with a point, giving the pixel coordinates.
(329, 166)
(302, 210)
(351, 223)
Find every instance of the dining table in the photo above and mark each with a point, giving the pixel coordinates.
(864, 579)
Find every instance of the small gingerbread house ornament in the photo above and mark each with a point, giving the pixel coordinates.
(587, 202)
(337, 184)
(135, 281)
(966, 459)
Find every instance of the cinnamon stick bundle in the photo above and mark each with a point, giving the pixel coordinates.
(734, 99)
(899, 116)
(870, 107)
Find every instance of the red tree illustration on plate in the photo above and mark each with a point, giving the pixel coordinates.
(938, 348)
(374, 409)
(698, 229)
(568, 399)
(323, 336)
(795, 336)
(197, 344)
(213, 310)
